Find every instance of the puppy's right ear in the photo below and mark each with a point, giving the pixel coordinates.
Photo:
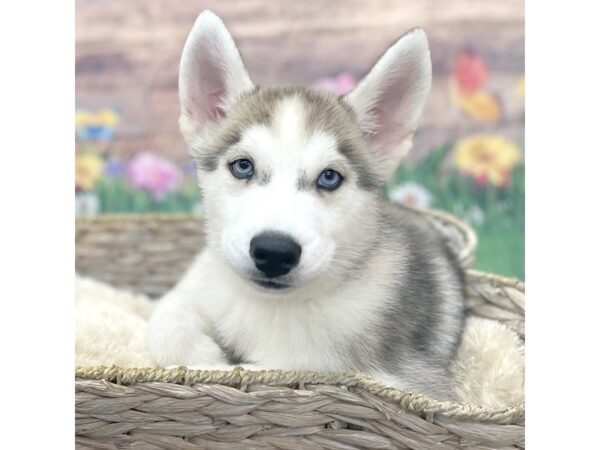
(211, 76)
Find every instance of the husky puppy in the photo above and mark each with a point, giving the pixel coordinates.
(306, 266)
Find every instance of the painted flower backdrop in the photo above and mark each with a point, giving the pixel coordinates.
(481, 176)
(478, 177)
(104, 183)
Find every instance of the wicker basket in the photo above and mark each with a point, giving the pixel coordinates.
(184, 409)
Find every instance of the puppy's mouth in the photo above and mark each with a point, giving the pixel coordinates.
(270, 284)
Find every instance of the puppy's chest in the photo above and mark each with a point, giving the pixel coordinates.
(294, 336)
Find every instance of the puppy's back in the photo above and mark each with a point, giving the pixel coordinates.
(423, 327)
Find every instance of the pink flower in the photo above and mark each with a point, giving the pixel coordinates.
(470, 72)
(342, 84)
(481, 180)
(154, 174)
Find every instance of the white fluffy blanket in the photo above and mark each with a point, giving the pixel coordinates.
(111, 327)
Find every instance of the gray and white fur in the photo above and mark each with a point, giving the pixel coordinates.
(296, 275)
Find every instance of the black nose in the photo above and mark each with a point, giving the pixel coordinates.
(274, 254)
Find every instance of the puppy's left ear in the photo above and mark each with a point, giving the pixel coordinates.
(389, 100)
(211, 76)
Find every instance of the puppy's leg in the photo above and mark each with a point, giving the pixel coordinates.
(179, 334)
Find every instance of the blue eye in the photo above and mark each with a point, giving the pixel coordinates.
(329, 180)
(242, 169)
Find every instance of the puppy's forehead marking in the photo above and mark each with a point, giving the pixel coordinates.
(295, 114)
(286, 149)
(290, 121)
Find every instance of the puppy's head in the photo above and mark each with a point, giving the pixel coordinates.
(291, 176)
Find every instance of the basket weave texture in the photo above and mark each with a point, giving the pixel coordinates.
(185, 409)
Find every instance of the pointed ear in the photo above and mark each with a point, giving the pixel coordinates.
(211, 76)
(389, 100)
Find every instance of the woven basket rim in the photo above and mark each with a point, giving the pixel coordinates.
(497, 279)
(465, 229)
(240, 377)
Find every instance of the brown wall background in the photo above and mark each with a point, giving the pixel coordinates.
(127, 55)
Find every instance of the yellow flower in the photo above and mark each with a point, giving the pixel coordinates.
(83, 118)
(521, 87)
(480, 105)
(487, 158)
(96, 126)
(88, 168)
(107, 117)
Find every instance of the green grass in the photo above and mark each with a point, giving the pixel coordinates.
(501, 251)
(116, 195)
